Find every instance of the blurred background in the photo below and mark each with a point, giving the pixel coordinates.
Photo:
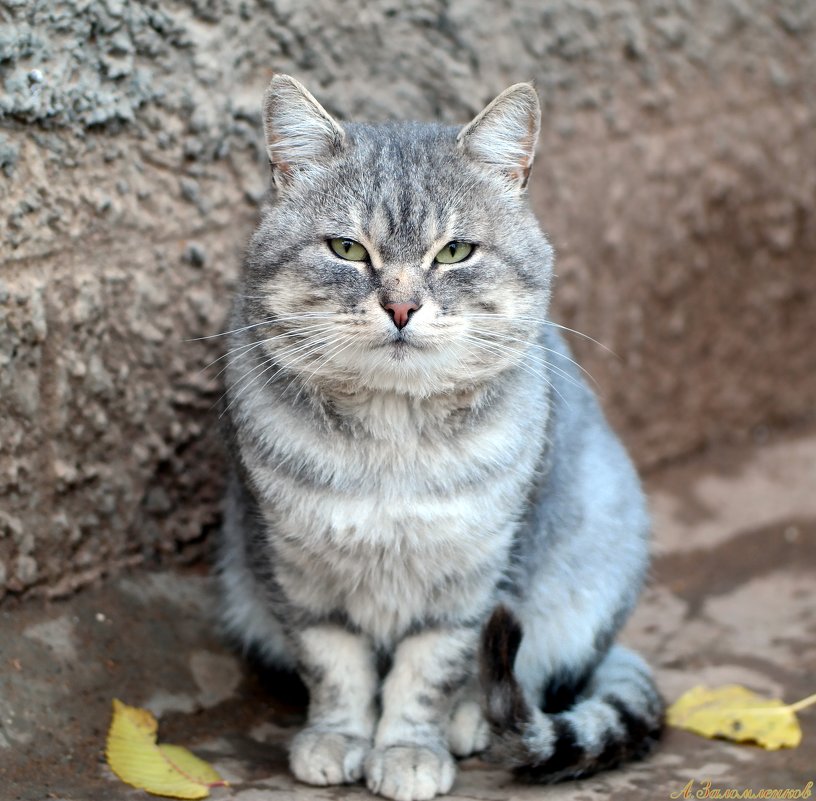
(675, 175)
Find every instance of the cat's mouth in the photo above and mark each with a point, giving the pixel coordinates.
(402, 343)
(400, 348)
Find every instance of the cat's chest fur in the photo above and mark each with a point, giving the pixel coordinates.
(399, 516)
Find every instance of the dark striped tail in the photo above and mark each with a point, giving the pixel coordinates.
(618, 716)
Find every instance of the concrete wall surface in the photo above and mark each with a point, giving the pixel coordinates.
(676, 175)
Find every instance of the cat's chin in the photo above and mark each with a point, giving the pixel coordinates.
(416, 387)
(417, 374)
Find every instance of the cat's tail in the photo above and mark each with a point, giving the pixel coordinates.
(618, 717)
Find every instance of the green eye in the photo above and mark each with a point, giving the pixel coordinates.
(454, 252)
(348, 249)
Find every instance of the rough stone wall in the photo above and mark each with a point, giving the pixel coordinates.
(676, 176)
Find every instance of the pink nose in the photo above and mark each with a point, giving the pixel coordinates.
(400, 312)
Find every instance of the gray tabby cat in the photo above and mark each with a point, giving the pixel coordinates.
(427, 517)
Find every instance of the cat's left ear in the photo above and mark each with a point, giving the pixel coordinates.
(299, 131)
(503, 136)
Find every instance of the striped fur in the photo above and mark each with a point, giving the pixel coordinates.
(617, 716)
(391, 487)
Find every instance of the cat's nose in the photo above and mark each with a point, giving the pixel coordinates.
(401, 312)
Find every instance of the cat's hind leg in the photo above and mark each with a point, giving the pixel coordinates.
(468, 732)
(247, 617)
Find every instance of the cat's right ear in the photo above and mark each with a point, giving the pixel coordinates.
(503, 136)
(299, 131)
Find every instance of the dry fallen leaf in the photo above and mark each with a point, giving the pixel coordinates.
(168, 770)
(738, 714)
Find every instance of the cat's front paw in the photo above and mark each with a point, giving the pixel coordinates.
(327, 757)
(409, 772)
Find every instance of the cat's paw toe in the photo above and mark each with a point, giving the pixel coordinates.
(468, 732)
(409, 773)
(327, 757)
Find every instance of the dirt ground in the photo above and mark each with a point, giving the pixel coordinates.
(731, 599)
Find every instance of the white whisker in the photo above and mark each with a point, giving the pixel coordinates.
(312, 343)
(298, 332)
(542, 321)
(344, 340)
(269, 321)
(498, 350)
(540, 359)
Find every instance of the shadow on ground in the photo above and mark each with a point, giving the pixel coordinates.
(731, 599)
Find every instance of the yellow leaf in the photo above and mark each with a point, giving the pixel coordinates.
(191, 766)
(136, 759)
(738, 714)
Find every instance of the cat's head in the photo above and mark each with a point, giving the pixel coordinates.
(400, 256)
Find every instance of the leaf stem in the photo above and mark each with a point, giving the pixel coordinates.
(805, 702)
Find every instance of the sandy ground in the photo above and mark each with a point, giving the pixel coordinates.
(731, 599)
